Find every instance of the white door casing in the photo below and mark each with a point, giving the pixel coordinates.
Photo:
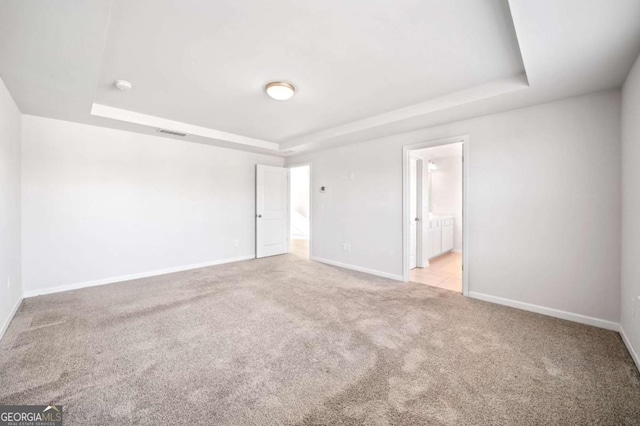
(272, 210)
(413, 208)
(407, 152)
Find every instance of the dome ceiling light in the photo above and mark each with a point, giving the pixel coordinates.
(280, 91)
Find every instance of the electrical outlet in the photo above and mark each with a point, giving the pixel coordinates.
(236, 243)
(344, 246)
(349, 248)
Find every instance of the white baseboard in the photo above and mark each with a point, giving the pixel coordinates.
(111, 280)
(627, 343)
(583, 319)
(358, 268)
(457, 250)
(10, 317)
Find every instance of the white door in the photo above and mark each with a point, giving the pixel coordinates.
(413, 211)
(272, 207)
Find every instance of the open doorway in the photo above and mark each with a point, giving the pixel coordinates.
(300, 210)
(434, 201)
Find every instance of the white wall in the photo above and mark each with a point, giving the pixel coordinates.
(99, 203)
(630, 291)
(446, 192)
(543, 196)
(9, 207)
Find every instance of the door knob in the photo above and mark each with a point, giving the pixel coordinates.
(259, 216)
(417, 219)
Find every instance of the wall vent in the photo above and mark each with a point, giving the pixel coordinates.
(172, 132)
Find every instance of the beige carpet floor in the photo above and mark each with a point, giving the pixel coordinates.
(284, 340)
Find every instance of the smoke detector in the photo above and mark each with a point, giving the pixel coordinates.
(123, 85)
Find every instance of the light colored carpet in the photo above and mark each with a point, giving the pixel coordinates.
(283, 340)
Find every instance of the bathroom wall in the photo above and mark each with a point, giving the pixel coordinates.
(446, 192)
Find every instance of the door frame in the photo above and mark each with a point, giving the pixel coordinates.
(291, 166)
(406, 237)
(419, 209)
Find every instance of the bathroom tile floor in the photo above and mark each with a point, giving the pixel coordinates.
(444, 271)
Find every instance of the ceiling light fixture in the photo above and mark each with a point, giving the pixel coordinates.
(280, 91)
(123, 85)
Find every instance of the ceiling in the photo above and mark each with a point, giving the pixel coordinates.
(362, 69)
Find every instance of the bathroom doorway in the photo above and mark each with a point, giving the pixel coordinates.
(434, 220)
